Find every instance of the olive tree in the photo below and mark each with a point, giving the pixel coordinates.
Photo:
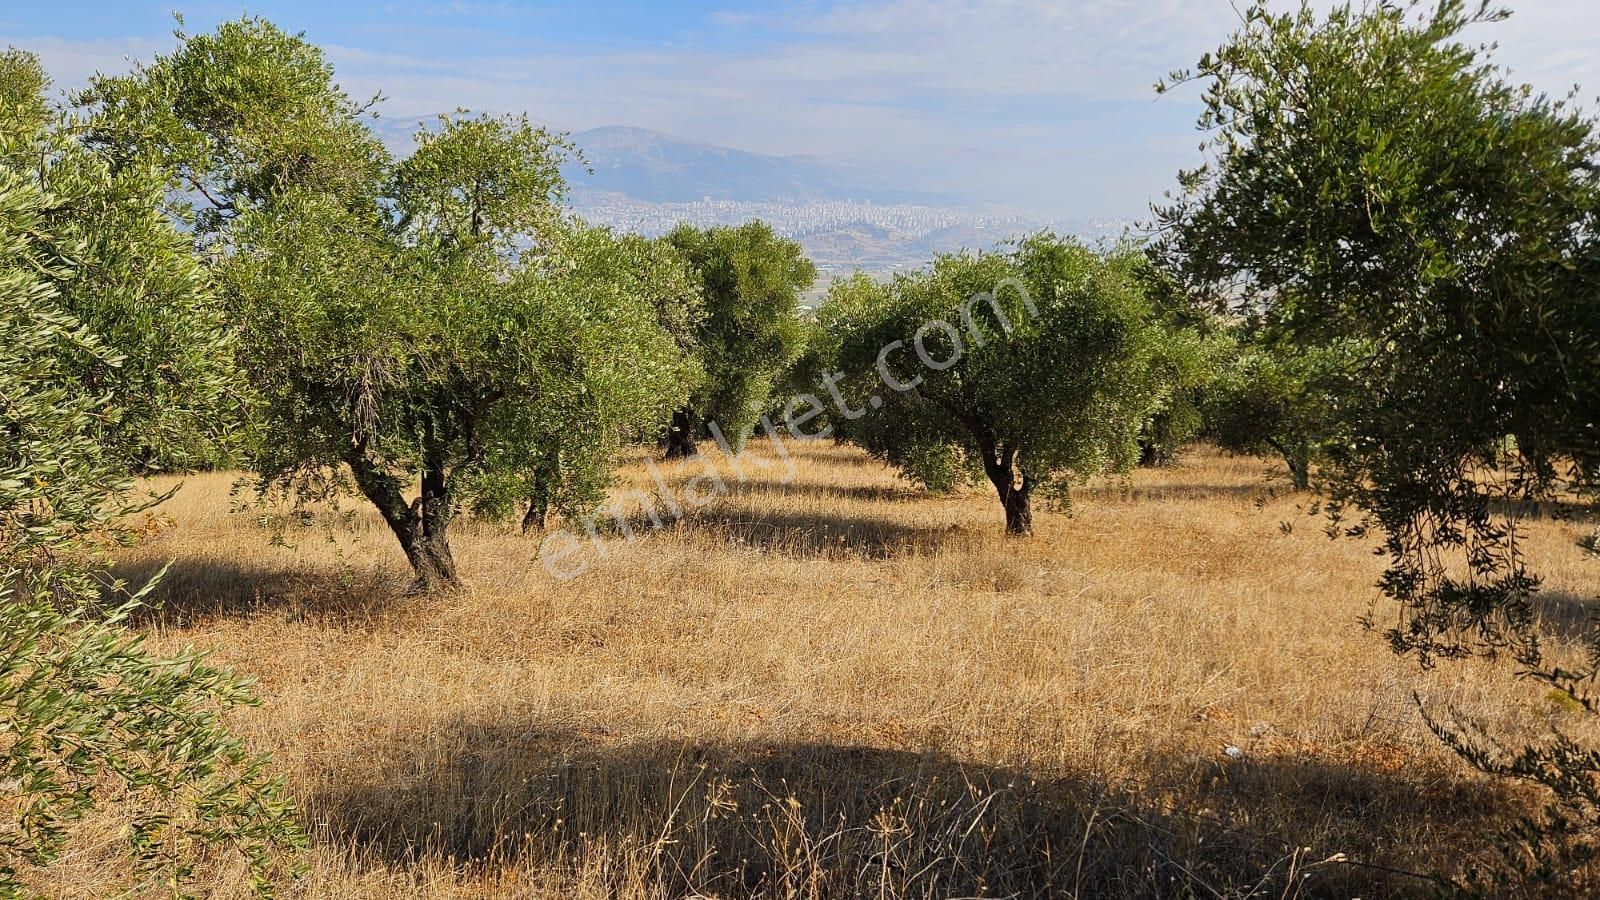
(463, 363)
(603, 393)
(1027, 367)
(750, 280)
(91, 718)
(1375, 178)
(407, 328)
(1280, 399)
(115, 262)
(1189, 362)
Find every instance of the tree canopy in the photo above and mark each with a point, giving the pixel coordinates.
(1375, 179)
(751, 281)
(236, 117)
(1029, 367)
(115, 263)
(422, 332)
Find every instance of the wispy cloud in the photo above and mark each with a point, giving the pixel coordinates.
(1551, 44)
(71, 63)
(1038, 103)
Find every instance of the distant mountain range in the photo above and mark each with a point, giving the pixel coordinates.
(845, 216)
(654, 168)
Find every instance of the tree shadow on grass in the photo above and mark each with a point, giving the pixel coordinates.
(821, 820)
(831, 452)
(1555, 510)
(197, 590)
(1181, 493)
(1566, 615)
(818, 534)
(865, 493)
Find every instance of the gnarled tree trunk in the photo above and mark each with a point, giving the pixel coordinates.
(1019, 511)
(1014, 485)
(1299, 461)
(421, 526)
(431, 560)
(682, 438)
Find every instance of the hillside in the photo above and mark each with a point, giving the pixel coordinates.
(651, 167)
(847, 217)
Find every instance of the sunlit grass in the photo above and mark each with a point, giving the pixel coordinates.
(843, 687)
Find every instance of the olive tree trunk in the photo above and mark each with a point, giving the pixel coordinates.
(429, 553)
(1015, 487)
(421, 526)
(682, 439)
(1299, 461)
(537, 516)
(541, 492)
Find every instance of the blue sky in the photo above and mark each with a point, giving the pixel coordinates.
(1041, 105)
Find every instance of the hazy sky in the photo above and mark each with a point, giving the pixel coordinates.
(1045, 105)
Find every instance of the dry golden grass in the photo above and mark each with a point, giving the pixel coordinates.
(843, 687)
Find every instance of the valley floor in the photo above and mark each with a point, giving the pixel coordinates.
(832, 684)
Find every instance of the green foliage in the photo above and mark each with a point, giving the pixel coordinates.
(614, 309)
(1375, 180)
(58, 486)
(1189, 363)
(1285, 400)
(88, 717)
(1190, 357)
(96, 720)
(750, 334)
(1030, 366)
(236, 117)
(115, 262)
(480, 180)
(430, 333)
(23, 84)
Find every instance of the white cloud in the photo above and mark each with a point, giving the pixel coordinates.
(1028, 101)
(72, 63)
(1110, 48)
(1550, 44)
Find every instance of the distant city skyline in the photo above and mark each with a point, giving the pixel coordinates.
(843, 236)
(1041, 106)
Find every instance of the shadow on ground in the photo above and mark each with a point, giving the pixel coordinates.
(811, 534)
(820, 820)
(194, 590)
(1114, 491)
(1566, 615)
(1556, 510)
(865, 493)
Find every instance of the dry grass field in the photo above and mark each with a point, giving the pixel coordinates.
(842, 687)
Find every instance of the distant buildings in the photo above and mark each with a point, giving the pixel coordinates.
(841, 235)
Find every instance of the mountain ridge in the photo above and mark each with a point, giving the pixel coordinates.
(645, 181)
(655, 167)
